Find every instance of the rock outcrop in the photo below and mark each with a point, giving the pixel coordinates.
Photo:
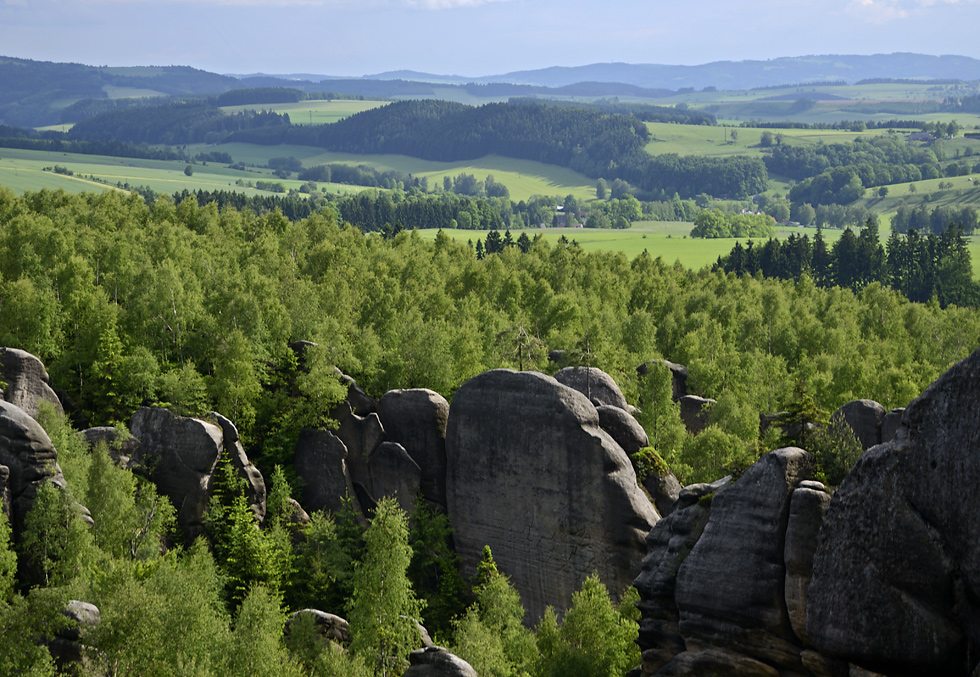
(896, 574)
(695, 413)
(595, 384)
(623, 428)
(29, 459)
(678, 376)
(122, 450)
(328, 626)
(865, 417)
(395, 474)
(531, 474)
(179, 454)
(435, 661)
(255, 491)
(321, 462)
(417, 419)
(27, 382)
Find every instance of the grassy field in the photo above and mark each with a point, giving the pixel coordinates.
(522, 177)
(313, 112)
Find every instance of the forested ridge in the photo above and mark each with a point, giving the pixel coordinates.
(194, 307)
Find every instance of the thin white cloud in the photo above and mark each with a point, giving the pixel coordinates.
(877, 11)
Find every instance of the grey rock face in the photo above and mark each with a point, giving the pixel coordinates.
(30, 458)
(27, 381)
(417, 419)
(328, 626)
(361, 435)
(66, 647)
(714, 662)
(124, 452)
(320, 462)
(669, 544)
(623, 428)
(892, 424)
(896, 575)
(394, 473)
(598, 386)
(255, 490)
(730, 589)
(865, 418)
(435, 661)
(531, 474)
(696, 413)
(806, 509)
(663, 490)
(179, 454)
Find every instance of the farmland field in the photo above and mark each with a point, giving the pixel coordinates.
(313, 112)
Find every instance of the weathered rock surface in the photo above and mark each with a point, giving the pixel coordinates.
(320, 462)
(328, 626)
(123, 451)
(394, 473)
(361, 435)
(255, 491)
(417, 419)
(27, 381)
(807, 505)
(598, 386)
(623, 428)
(531, 474)
(435, 661)
(179, 454)
(865, 418)
(716, 662)
(730, 589)
(669, 543)
(896, 575)
(892, 424)
(664, 490)
(30, 458)
(66, 647)
(695, 413)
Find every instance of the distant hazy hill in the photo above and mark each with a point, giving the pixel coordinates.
(32, 92)
(734, 74)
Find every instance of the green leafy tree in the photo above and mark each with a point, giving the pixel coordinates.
(595, 638)
(56, 547)
(835, 450)
(256, 644)
(383, 609)
(434, 571)
(491, 635)
(660, 417)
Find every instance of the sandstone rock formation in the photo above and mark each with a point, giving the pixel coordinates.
(896, 575)
(595, 384)
(28, 458)
(435, 661)
(320, 462)
(328, 626)
(123, 451)
(865, 418)
(891, 425)
(623, 428)
(695, 413)
(531, 474)
(179, 455)
(255, 491)
(394, 473)
(417, 419)
(27, 381)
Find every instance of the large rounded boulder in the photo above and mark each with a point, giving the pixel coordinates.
(531, 474)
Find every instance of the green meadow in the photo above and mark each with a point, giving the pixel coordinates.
(313, 112)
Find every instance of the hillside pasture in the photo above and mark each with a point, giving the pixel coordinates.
(313, 112)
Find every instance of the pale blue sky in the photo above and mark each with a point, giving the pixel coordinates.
(472, 37)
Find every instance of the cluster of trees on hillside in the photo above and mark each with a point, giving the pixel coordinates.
(713, 223)
(935, 220)
(588, 141)
(175, 123)
(11, 137)
(922, 268)
(871, 157)
(641, 111)
(375, 211)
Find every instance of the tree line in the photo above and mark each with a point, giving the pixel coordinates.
(921, 267)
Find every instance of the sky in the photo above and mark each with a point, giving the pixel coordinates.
(471, 37)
